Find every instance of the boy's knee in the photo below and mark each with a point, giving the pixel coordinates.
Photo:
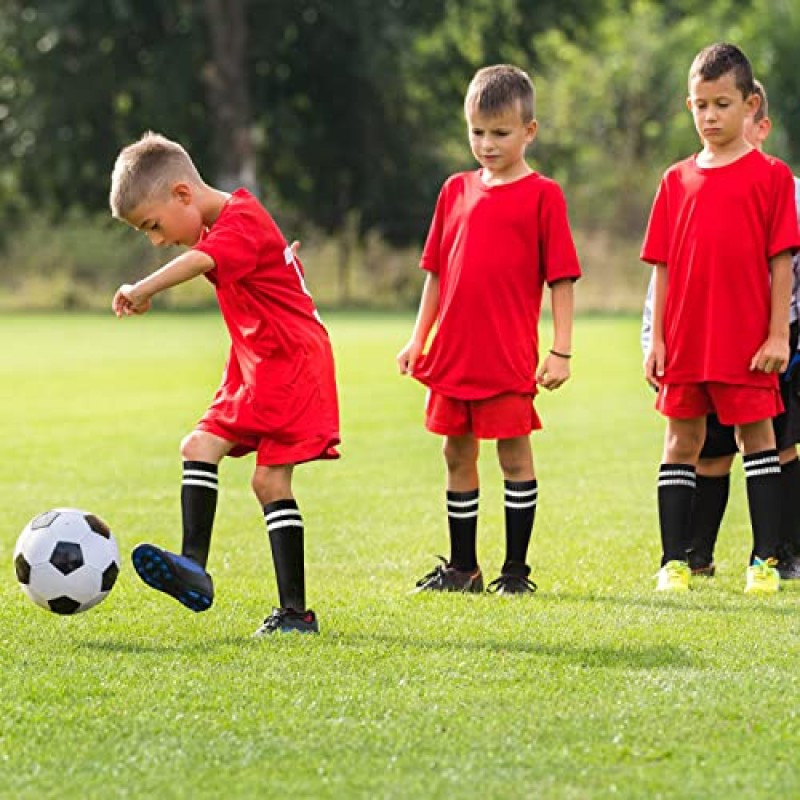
(202, 446)
(459, 452)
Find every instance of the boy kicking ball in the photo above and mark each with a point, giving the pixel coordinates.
(278, 392)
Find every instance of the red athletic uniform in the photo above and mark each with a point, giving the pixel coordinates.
(716, 230)
(493, 248)
(278, 392)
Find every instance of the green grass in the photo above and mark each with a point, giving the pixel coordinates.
(593, 687)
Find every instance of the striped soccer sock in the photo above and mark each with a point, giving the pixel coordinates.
(676, 488)
(199, 491)
(462, 525)
(520, 512)
(285, 528)
(763, 478)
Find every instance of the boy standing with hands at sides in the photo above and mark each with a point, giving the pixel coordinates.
(498, 234)
(721, 234)
(278, 392)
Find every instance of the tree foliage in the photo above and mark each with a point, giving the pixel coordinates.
(348, 113)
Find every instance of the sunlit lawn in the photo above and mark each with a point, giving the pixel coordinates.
(591, 688)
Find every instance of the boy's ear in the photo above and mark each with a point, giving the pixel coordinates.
(182, 192)
(532, 129)
(752, 102)
(689, 102)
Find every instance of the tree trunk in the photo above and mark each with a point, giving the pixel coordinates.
(229, 96)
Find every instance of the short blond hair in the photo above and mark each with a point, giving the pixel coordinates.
(497, 88)
(147, 170)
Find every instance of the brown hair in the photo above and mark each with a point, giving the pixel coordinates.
(147, 169)
(716, 60)
(494, 89)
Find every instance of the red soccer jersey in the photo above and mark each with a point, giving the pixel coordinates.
(493, 248)
(716, 230)
(279, 380)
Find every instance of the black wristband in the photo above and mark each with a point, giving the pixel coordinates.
(561, 355)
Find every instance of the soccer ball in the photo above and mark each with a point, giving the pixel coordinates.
(66, 560)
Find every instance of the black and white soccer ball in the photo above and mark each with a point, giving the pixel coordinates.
(66, 560)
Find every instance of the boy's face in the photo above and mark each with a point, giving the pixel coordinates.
(719, 109)
(171, 220)
(498, 141)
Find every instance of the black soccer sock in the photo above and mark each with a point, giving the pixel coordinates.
(708, 508)
(285, 527)
(520, 512)
(676, 487)
(763, 477)
(199, 492)
(462, 524)
(790, 519)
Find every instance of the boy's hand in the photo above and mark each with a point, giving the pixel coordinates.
(654, 365)
(553, 372)
(408, 356)
(127, 301)
(772, 356)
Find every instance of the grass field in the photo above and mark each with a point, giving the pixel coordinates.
(594, 687)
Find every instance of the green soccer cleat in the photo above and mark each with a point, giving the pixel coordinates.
(762, 577)
(674, 577)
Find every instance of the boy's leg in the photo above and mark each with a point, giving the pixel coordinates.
(708, 508)
(184, 576)
(273, 488)
(763, 478)
(789, 545)
(461, 573)
(521, 494)
(677, 483)
(461, 457)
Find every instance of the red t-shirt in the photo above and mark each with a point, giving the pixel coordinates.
(279, 380)
(493, 248)
(716, 230)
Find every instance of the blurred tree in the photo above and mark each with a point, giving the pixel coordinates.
(226, 76)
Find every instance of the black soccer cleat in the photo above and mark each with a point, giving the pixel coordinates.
(287, 620)
(177, 576)
(444, 578)
(513, 580)
(789, 568)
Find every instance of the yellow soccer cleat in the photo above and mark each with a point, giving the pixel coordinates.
(762, 577)
(674, 577)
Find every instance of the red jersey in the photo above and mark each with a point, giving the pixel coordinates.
(279, 380)
(493, 248)
(716, 230)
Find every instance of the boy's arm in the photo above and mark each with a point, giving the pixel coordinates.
(135, 298)
(426, 316)
(554, 369)
(656, 356)
(773, 355)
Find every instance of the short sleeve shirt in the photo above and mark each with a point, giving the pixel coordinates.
(716, 229)
(493, 248)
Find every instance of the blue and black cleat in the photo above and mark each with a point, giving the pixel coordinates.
(177, 576)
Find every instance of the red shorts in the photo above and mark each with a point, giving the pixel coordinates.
(733, 404)
(504, 416)
(293, 417)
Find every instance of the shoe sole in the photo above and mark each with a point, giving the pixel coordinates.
(157, 572)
